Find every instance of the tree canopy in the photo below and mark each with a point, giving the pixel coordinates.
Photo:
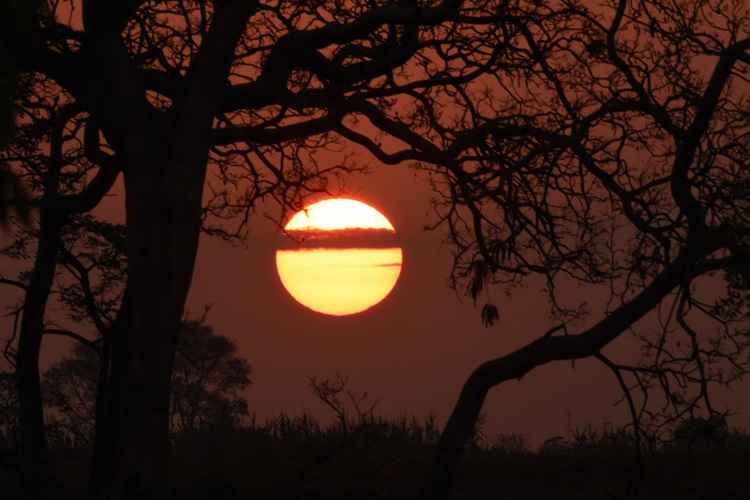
(207, 386)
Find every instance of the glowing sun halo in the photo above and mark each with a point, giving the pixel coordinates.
(339, 281)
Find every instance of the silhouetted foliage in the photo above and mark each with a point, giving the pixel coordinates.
(207, 381)
(21, 18)
(207, 385)
(377, 457)
(48, 154)
(701, 433)
(351, 408)
(69, 390)
(299, 457)
(490, 314)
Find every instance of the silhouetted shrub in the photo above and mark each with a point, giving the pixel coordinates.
(207, 383)
(701, 434)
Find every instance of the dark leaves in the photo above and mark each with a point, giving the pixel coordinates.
(596, 47)
(479, 276)
(13, 195)
(490, 314)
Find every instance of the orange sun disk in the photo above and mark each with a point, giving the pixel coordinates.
(339, 281)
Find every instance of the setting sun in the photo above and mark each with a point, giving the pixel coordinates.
(344, 280)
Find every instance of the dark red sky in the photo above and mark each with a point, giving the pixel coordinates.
(413, 351)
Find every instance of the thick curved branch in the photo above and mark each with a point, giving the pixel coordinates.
(384, 59)
(91, 344)
(400, 131)
(376, 150)
(544, 350)
(92, 194)
(11, 282)
(67, 69)
(402, 13)
(299, 49)
(263, 135)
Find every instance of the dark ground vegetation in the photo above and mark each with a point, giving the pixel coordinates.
(298, 458)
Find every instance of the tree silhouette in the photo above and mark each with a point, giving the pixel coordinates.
(598, 146)
(611, 152)
(253, 88)
(696, 432)
(207, 381)
(47, 154)
(69, 389)
(206, 385)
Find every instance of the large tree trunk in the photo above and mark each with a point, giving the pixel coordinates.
(164, 221)
(33, 445)
(164, 187)
(108, 400)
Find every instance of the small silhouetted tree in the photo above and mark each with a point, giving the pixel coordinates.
(69, 391)
(207, 386)
(700, 433)
(351, 408)
(207, 381)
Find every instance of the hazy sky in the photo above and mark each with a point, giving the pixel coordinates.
(413, 351)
